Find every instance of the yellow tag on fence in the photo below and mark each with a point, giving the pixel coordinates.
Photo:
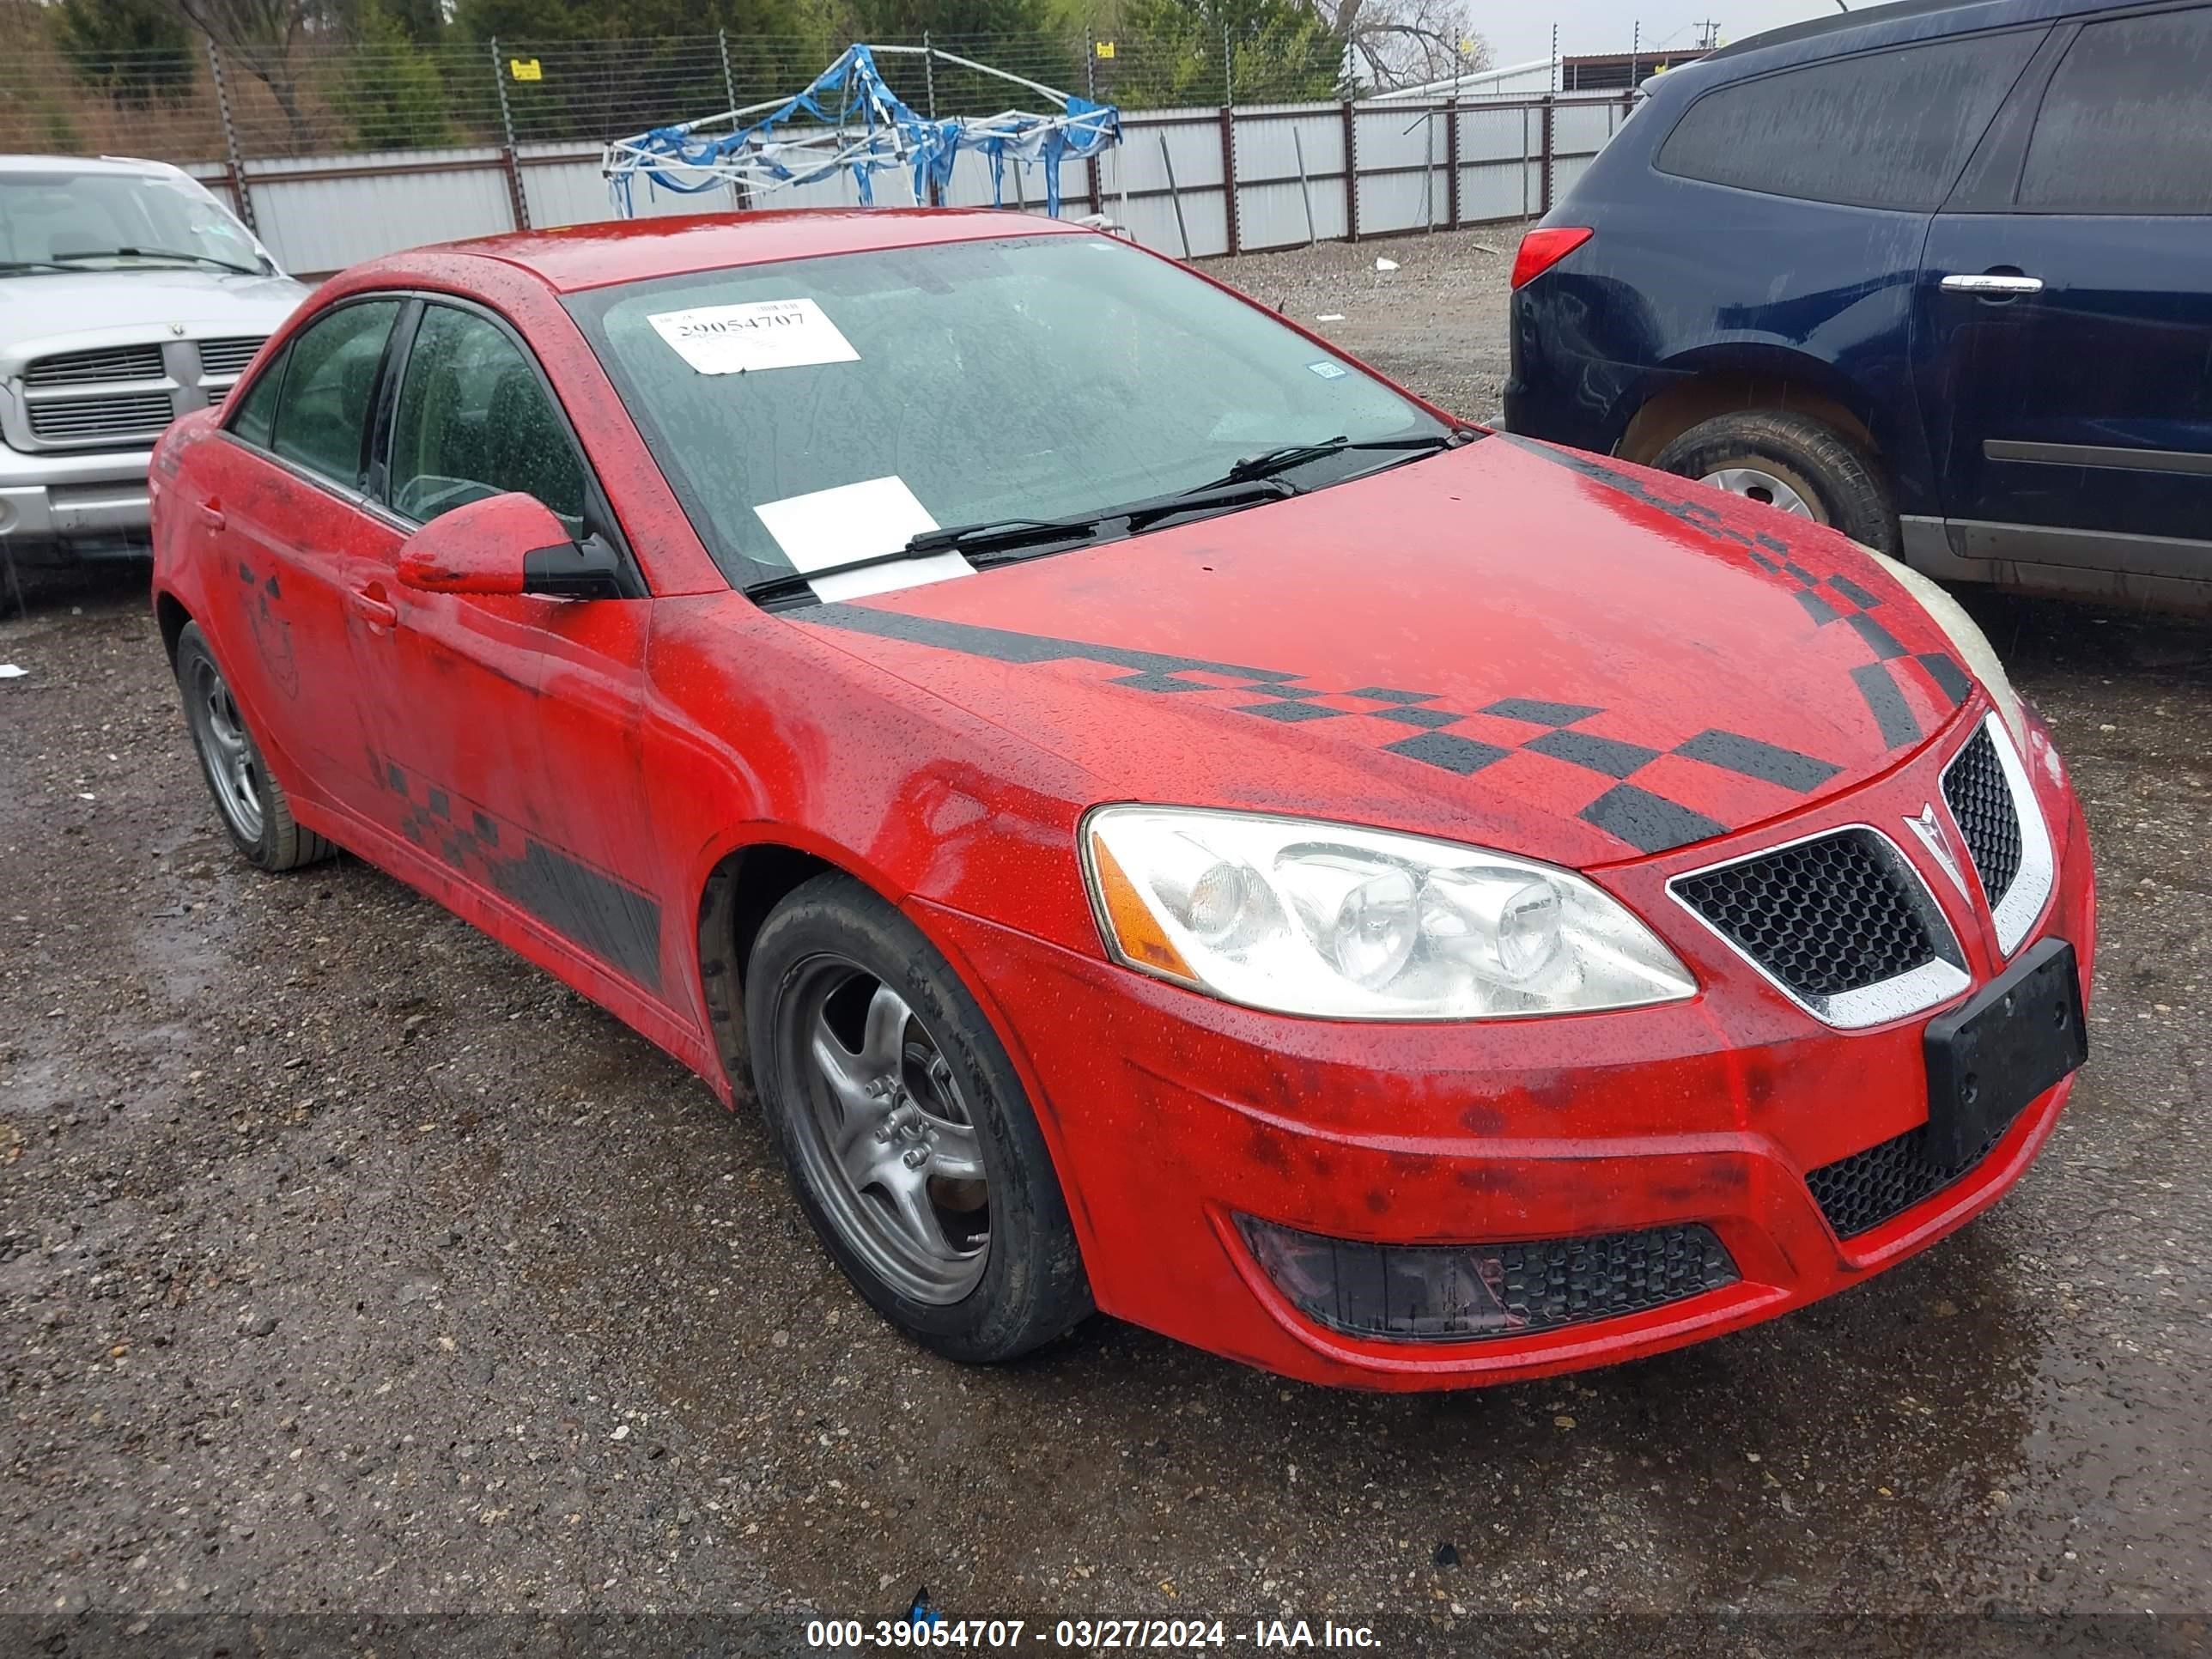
(525, 69)
(1105, 48)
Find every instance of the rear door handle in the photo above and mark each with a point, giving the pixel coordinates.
(373, 607)
(1992, 283)
(211, 514)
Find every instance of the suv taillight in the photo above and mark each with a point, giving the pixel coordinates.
(1544, 247)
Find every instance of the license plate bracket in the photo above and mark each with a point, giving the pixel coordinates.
(1989, 1058)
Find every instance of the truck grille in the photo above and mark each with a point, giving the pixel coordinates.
(126, 417)
(130, 362)
(1824, 917)
(1980, 800)
(227, 359)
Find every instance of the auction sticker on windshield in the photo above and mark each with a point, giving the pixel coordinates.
(764, 334)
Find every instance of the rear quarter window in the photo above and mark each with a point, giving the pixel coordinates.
(2126, 123)
(1883, 129)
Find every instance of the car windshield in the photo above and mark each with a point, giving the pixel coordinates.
(968, 383)
(68, 221)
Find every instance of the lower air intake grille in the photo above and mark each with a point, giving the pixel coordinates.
(124, 418)
(1463, 1292)
(1980, 799)
(1859, 1192)
(1824, 917)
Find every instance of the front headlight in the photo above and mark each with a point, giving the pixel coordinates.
(1343, 923)
(1966, 639)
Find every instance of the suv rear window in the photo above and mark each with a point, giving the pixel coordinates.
(2126, 126)
(1885, 130)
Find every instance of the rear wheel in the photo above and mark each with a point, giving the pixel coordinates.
(909, 1139)
(252, 805)
(1791, 463)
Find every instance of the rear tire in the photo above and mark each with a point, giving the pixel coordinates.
(253, 805)
(908, 1138)
(1793, 462)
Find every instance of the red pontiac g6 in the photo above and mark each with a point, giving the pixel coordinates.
(1165, 821)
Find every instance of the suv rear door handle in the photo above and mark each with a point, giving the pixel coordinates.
(1992, 283)
(211, 514)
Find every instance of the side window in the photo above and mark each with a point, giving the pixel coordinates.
(1885, 130)
(2126, 124)
(324, 408)
(473, 420)
(257, 416)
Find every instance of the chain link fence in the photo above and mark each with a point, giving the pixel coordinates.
(317, 98)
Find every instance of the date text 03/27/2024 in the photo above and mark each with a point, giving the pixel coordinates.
(1085, 1635)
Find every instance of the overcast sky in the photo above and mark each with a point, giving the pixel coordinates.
(1518, 33)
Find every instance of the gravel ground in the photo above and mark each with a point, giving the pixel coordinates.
(347, 1265)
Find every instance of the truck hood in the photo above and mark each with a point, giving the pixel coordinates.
(52, 311)
(1509, 644)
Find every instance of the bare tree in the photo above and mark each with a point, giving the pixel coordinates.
(260, 35)
(1404, 43)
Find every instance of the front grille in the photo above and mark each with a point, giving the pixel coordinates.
(223, 358)
(140, 415)
(1980, 799)
(131, 362)
(1567, 1280)
(1463, 1292)
(1824, 916)
(1859, 1192)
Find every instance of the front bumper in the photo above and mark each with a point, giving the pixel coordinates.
(1170, 1114)
(78, 504)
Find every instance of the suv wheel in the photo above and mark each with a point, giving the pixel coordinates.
(1793, 464)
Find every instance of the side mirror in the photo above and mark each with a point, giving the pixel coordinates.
(509, 544)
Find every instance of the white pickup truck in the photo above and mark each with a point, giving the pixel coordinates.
(129, 295)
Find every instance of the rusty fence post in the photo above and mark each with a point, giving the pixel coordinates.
(1451, 160)
(1351, 174)
(1229, 178)
(1544, 196)
(234, 157)
(515, 197)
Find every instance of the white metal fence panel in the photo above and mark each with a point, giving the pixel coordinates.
(324, 213)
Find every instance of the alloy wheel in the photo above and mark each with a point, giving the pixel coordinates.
(885, 1137)
(219, 733)
(1763, 487)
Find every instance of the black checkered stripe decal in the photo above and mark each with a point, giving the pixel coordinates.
(1646, 821)
(1826, 600)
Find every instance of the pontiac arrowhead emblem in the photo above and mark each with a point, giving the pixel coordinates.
(1930, 829)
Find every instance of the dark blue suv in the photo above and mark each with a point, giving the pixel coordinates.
(1938, 275)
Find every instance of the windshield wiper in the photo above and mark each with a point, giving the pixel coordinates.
(161, 254)
(31, 265)
(1272, 462)
(1004, 541)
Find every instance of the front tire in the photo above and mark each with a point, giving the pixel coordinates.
(906, 1130)
(252, 805)
(1792, 463)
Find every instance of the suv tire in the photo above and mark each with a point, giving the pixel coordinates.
(1773, 456)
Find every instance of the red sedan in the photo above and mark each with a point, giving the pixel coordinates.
(1160, 819)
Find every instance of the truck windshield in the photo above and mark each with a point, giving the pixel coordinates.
(69, 220)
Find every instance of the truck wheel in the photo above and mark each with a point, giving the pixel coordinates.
(252, 803)
(1793, 464)
(909, 1138)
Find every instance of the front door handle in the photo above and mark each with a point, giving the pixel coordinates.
(211, 514)
(1991, 284)
(373, 607)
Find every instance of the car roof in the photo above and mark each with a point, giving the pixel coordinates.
(118, 164)
(1868, 25)
(577, 257)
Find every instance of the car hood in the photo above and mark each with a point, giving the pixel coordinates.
(116, 305)
(1509, 644)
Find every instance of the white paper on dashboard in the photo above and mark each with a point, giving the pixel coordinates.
(858, 521)
(765, 334)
